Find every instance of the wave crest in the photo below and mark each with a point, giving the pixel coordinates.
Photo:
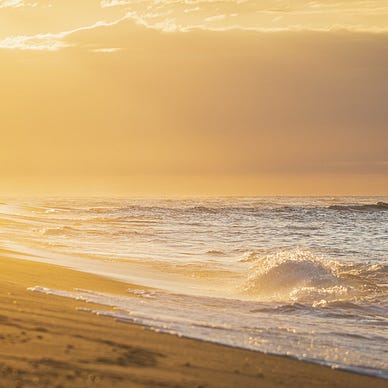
(300, 276)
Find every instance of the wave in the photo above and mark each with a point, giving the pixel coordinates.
(180, 208)
(300, 276)
(259, 210)
(215, 252)
(361, 207)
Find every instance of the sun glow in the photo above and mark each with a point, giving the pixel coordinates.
(206, 96)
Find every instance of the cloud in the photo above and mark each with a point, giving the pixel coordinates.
(352, 15)
(195, 9)
(49, 41)
(16, 4)
(107, 50)
(212, 15)
(113, 3)
(215, 18)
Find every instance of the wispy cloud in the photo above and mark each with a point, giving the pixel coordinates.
(260, 15)
(49, 41)
(107, 50)
(16, 4)
(113, 3)
(215, 15)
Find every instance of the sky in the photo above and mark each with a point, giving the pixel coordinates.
(194, 97)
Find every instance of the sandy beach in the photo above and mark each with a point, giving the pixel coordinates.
(46, 341)
(193, 193)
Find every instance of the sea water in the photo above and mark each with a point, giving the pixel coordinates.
(302, 277)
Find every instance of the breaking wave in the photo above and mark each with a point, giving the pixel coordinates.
(299, 276)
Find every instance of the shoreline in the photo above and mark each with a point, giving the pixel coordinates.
(46, 341)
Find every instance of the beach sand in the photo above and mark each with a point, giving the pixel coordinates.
(46, 342)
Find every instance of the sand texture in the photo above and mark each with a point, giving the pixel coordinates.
(46, 342)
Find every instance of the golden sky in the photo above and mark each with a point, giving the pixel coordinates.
(194, 97)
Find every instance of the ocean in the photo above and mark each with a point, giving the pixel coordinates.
(302, 277)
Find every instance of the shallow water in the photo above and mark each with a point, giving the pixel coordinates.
(305, 277)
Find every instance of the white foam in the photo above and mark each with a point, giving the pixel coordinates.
(297, 275)
(283, 330)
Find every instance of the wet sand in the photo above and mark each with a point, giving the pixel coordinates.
(45, 341)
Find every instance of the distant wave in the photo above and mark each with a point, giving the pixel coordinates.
(215, 252)
(178, 210)
(363, 207)
(162, 211)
